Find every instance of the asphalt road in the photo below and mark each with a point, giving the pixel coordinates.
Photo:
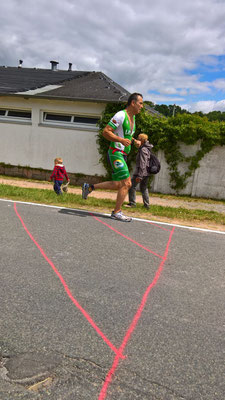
(92, 308)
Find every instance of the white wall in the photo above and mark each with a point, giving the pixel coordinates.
(207, 181)
(36, 145)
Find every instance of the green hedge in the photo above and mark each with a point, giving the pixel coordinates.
(166, 134)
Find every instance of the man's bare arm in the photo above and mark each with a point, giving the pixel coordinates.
(109, 134)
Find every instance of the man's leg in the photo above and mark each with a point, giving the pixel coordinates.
(122, 187)
(122, 192)
(121, 182)
(108, 185)
(120, 175)
(144, 191)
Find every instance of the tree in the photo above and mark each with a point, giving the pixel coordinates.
(170, 110)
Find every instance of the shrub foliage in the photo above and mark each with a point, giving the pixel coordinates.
(167, 134)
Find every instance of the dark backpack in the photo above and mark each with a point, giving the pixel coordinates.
(154, 164)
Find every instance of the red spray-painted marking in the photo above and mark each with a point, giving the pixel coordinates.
(118, 352)
(158, 226)
(134, 322)
(127, 237)
(86, 315)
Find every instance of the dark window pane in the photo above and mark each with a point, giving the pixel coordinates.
(2, 112)
(57, 117)
(86, 120)
(19, 114)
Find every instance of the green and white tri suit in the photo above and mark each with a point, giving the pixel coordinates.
(121, 126)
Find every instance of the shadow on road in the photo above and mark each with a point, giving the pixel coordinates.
(82, 213)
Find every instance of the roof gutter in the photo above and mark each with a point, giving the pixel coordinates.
(45, 97)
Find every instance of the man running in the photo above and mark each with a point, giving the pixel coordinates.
(119, 132)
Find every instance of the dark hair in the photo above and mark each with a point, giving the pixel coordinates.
(133, 96)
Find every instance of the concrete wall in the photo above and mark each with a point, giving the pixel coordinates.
(36, 144)
(207, 181)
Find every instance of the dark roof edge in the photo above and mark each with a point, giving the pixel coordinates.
(116, 86)
(27, 96)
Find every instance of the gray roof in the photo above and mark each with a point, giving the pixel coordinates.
(72, 85)
(152, 111)
(61, 84)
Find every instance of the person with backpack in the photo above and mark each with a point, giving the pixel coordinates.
(146, 164)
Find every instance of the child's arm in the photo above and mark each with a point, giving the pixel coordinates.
(53, 174)
(67, 178)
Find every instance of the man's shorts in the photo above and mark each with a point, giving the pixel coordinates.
(119, 166)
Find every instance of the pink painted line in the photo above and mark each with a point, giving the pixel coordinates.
(86, 315)
(118, 352)
(126, 237)
(158, 226)
(134, 322)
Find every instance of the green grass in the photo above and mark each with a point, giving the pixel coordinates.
(188, 198)
(158, 195)
(185, 214)
(70, 200)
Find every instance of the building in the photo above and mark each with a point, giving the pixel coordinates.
(46, 113)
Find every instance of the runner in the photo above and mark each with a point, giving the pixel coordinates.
(119, 132)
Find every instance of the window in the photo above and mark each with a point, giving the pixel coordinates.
(73, 121)
(85, 120)
(57, 117)
(17, 115)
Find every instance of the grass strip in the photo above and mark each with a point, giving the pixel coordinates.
(71, 200)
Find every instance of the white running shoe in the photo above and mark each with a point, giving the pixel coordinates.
(120, 217)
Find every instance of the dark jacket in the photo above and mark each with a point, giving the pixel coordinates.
(142, 160)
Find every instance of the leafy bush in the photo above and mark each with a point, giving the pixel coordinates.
(167, 134)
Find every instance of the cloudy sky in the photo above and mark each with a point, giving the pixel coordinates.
(172, 51)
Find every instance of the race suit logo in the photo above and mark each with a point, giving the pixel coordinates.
(118, 164)
(115, 122)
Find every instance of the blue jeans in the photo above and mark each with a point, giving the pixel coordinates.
(57, 187)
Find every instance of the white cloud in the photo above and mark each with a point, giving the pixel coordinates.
(219, 84)
(144, 46)
(205, 106)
